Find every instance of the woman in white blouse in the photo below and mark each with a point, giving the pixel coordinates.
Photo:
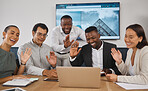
(135, 68)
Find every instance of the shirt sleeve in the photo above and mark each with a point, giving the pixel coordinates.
(55, 42)
(30, 68)
(81, 34)
(71, 60)
(122, 67)
(33, 70)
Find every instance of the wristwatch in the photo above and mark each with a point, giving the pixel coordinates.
(53, 67)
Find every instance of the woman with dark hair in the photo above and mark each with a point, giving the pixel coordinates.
(8, 68)
(135, 68)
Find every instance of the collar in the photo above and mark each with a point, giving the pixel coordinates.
(35, 44)
(100, 47)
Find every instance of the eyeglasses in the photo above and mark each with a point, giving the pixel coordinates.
(40, 34)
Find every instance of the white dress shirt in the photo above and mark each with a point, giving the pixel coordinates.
(97, 57)
(57, 37)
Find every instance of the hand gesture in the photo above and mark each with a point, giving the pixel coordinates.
(50, 73)
(74, 49)
(116, 55)
(112, 77)
(26, 55)
(67, 42)
(107, 71)
(52, 60)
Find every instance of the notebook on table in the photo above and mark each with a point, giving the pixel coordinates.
(20, 82)
(88, 77)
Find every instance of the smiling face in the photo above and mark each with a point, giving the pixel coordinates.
(131, 39)
(66, 24)
(11, 36)
(39, 36)
(93, 39)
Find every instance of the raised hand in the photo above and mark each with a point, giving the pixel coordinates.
(116, 55)
(74, 49)
(67, 42)
(26, 55)
(52, 60)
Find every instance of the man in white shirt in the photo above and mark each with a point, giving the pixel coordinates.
(43, 59)
(62, 37)
(96, 53)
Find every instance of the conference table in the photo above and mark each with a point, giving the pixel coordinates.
(41, 85)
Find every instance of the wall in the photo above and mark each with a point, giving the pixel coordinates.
(26, 13)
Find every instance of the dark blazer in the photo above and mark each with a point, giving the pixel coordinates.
(85, 56)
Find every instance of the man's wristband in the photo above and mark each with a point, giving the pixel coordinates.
(22, 63)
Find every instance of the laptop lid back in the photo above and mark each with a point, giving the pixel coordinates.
(79, 77)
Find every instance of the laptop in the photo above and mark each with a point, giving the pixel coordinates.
(88, 77)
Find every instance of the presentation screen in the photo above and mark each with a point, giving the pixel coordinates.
(105, 16)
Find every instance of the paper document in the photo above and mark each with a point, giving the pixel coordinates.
(129, 86)
(20, 82)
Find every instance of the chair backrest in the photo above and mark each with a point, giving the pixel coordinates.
(124, 52)
(14, 50)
